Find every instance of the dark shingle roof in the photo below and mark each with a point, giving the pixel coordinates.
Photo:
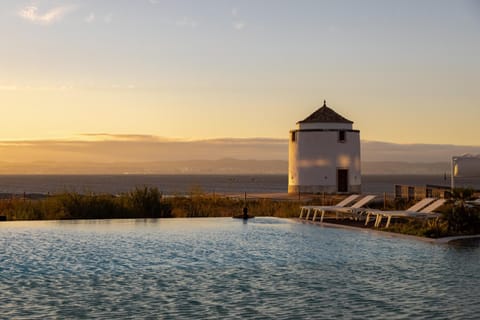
(325, 114)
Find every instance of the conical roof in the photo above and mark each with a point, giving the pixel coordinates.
(325, 114)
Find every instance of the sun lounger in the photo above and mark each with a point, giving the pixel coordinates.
(356, 207)
(434, 206)
(415, 208)
(343, 203)
(412, 212)
(342, 209)
(475, 202)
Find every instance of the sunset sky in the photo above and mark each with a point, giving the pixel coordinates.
(403, 71)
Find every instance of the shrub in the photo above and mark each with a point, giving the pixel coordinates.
(147, 202)
(462, 219)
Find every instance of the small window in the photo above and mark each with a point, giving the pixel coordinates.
(342, 137)
(293, 136)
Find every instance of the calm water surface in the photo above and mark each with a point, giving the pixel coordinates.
(184, 184)
(225, 268)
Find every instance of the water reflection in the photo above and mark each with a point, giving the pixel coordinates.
(472, 243)
(224, 268)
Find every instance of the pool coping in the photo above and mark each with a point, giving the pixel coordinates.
(443, 240)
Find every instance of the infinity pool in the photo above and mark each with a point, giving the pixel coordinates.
(225, 268)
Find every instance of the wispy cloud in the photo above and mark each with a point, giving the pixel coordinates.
(135, 148)
(32, 14)
(385, 151)
(90, 18)
(103, 136)
(107, 147)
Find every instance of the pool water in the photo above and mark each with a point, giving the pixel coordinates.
(213, 268)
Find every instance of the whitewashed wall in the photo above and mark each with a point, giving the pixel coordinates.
(315, 157)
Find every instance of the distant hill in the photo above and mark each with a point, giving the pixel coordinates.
(222, 166)
(397, 167)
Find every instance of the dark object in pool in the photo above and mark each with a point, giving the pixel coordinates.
(3, 218)
(244, 215)
(241, 216)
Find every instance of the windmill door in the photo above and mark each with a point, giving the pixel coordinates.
(342, 180)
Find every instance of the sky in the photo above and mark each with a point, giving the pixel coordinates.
(406, 72)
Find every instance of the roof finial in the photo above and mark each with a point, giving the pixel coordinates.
(324, 103)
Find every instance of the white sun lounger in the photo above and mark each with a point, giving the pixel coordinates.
(434, 206)
(343, 203)
(413, 209)
(350, 209)
(357, 207)
(475, 202)
(412, 212)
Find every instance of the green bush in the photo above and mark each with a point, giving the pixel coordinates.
(147, 202)
(78, 206)
(462, 219)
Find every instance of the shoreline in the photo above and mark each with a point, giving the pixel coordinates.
(444, 240)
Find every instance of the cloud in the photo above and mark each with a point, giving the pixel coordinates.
(31, 13)
(154, 1)
(108, 147)
(102, 136)
(90, 18)
(234, 12)
(384, 151)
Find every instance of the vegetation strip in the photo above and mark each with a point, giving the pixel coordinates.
(458, 218)
(443, 240)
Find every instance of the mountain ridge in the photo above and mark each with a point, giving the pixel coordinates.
(220, 166)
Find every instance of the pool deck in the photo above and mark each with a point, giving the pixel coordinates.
(443, 240)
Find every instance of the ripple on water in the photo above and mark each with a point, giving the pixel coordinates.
(223, 268)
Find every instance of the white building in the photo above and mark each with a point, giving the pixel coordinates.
(324, 155)
(466, 171)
